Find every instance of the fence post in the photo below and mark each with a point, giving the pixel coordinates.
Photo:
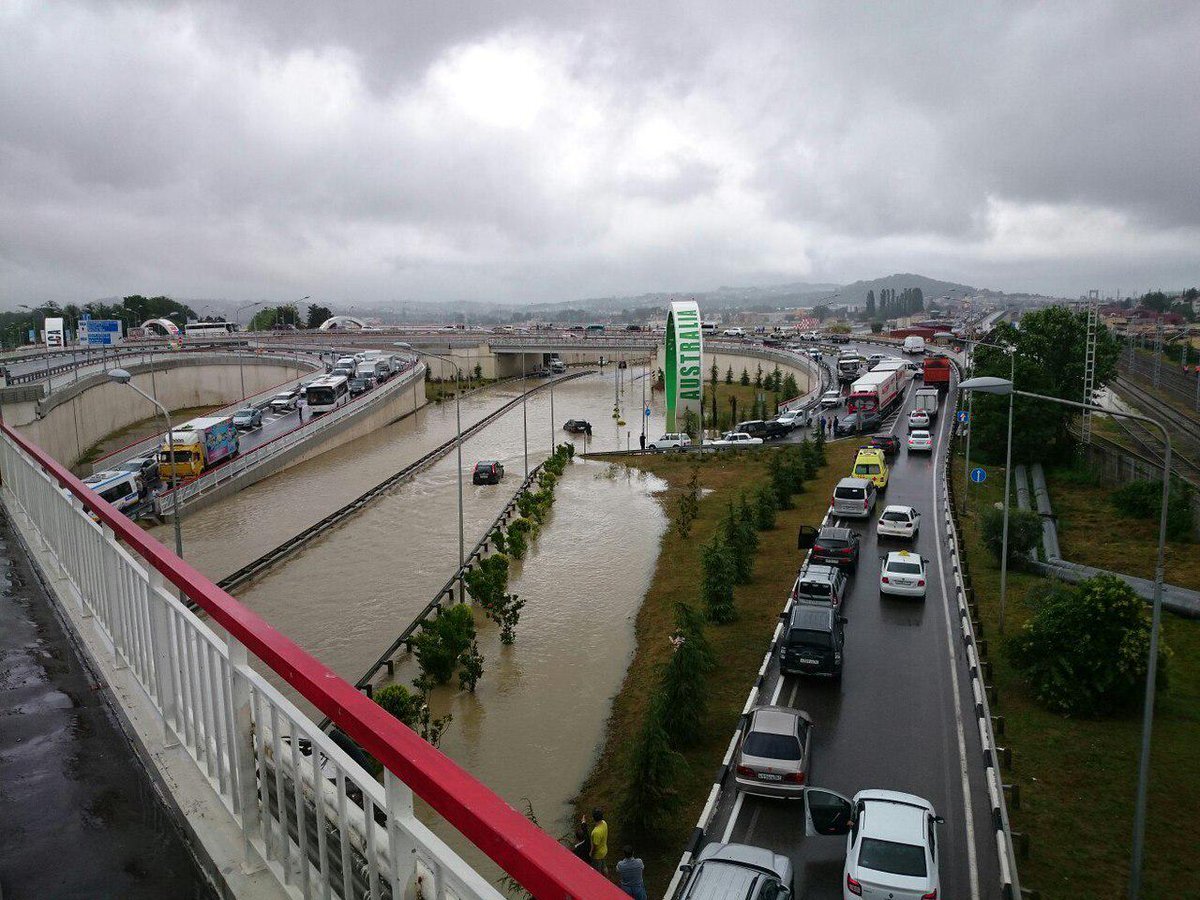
(165, 672)
(402, 849)
(243, 764)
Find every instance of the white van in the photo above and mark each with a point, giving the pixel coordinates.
(914, 344)
(123, 490)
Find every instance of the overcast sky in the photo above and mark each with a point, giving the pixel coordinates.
(513, 151)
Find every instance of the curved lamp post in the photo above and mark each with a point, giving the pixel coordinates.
(122, 376)
(990, 385)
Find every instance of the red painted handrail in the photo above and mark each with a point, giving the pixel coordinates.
(537, 862)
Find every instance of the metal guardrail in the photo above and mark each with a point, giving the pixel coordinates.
(245, 738)
(275, 555)
(226, 472)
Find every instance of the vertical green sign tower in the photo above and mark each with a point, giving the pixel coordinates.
(684, 369)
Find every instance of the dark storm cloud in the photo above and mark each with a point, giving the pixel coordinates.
(546, 150)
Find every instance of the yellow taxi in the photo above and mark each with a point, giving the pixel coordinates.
(871, 465)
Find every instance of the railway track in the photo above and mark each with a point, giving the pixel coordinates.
(1185, 433)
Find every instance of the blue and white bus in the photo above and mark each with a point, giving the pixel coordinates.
(327, 393)
(208, 329)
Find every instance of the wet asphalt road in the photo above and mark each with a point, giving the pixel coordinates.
(893, 722)
(78, 816)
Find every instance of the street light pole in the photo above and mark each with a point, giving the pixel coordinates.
(122, 376)
(524, 415)
(237, 321)
(1000, 386)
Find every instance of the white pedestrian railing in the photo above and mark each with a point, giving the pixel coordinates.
(321, 823)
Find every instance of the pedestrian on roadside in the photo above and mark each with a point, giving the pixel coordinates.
(630, 875)
(599, 842)
(642, 440)
(583, 843)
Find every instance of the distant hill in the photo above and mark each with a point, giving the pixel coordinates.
(856, 294)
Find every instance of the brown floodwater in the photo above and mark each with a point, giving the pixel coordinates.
(533, 727)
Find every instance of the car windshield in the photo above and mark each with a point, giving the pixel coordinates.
(889, 856)
(919, 436)
(905, 568)
(866, 469)
(772, 746)
(896, 516)
(805, 638)
(849, 493)
(814, 588)
(833, 542)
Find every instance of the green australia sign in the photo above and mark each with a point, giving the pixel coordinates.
(684, 370)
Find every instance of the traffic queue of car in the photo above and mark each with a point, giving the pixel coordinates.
(892, 842)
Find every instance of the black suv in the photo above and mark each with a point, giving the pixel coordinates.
(487, 471)
(814, 641)
(821, 584)
(836, 547)
(888, 443)
(766, 430)
(578, 426)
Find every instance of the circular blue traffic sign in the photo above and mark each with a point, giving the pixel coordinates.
(964, 416)
(647, 412)
(978, 476)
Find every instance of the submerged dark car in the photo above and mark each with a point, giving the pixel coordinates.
(578, 426)
(487, 471)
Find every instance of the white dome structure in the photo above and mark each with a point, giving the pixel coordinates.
(161, 326)
(337, 323)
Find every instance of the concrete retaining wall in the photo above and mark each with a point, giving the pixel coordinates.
(73, 419)
(405, 394)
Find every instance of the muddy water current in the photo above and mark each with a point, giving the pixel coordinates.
(533, 726)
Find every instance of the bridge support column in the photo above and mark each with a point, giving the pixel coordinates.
(403, 847)
(243, 764)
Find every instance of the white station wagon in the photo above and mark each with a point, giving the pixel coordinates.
(670, 441)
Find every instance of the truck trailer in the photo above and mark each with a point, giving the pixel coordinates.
(199, 445)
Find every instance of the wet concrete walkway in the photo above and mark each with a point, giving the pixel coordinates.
(78, 815)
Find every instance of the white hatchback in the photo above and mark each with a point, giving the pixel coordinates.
(672, 441)
(902, 574)
(831, 399)
(891, 841)
(899, 521)
(921, 441)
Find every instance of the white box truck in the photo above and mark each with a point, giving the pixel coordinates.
(926, 399)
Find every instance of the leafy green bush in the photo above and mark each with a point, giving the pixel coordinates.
(441, 641)
(401, 703)
(470, 667)
(718, 575)
(1084, 651)
(1024, 531)
(517, 538)
(1143, 500)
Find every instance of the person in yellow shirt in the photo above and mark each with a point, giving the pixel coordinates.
(599, 841)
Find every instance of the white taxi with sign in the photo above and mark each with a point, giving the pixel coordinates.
(902, 574)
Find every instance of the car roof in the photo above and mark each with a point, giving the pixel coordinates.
(898, 507)
(918, 433)
(486, 462)
(903, 556)
(733, 868)
(777, 719)
(900, 817)
(835, 531)
(812, 617)
(819, 572)
(102, 478)
(854, 482)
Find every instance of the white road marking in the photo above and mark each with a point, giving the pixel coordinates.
(778, 688)
(951, 614)
(733, 817)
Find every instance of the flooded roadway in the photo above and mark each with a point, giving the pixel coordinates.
(534, 725)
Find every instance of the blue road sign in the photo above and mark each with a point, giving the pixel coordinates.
(647, 412)
(978, 476)
(964, 416)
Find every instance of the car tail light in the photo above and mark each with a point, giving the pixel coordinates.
(865, 506)
(847, 551)
(853, 886)
(794, 778)
(932, 895)
(884, 579)
(745, 771)
(920, 582)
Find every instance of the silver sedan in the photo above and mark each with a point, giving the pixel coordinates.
(773, 756)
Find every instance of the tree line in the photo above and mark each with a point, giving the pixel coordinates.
(892, 305)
